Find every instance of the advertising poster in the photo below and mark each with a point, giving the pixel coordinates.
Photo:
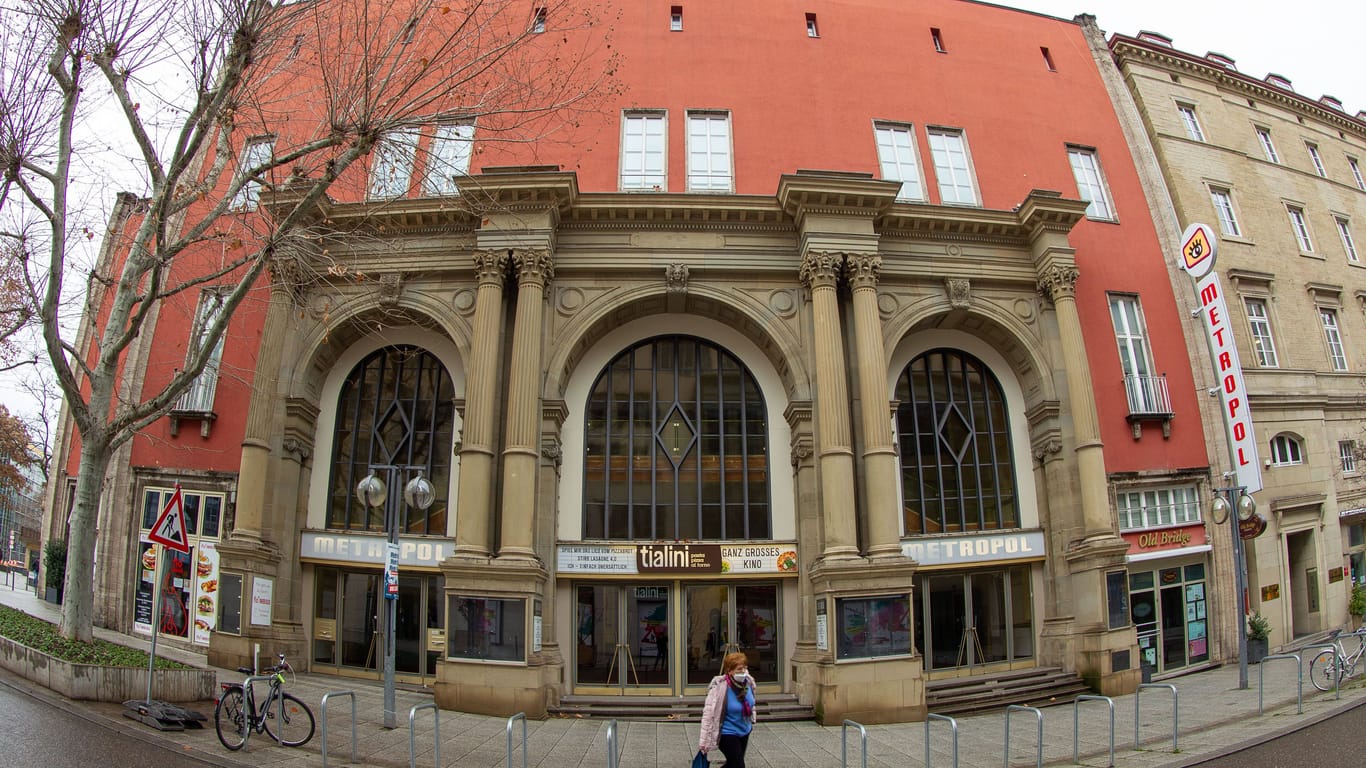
(206, 591)
(142, 601)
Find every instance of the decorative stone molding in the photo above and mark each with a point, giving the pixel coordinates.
(1047, 448)
(821, 268)
(959, 291)
(676, 278)
(490, 265)
(1056, 282)
(533, 265)
(862, 269)
(296, 449)
(390, 288)
(551, 451)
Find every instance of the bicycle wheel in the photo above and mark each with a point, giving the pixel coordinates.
(295, 726)
(1323, 670)
(230, 719)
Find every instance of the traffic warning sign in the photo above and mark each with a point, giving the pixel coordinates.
(169, 529)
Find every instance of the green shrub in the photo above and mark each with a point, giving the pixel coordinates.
(1258, 628)
(54, 563)
(43, 636)
(1357, 604)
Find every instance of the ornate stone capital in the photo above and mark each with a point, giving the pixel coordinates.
(959, 291)
(1057, 282)
(861, 269)
(533, 265)
(1046, 449)
(390, 288)
(676, 278)
(296, 449)
(551, 451)
(821, 269)
(490, 265)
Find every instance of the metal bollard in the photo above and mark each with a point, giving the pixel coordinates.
(1039, 746)
(1175, 710)
(953, 724)
(519, 716)
(323, 709)
(436, 735)
(1299, 682)
(844, 731)
(612, 757)
(1076, 729)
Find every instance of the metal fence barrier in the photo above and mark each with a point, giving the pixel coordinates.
(612, 757)
(953, 724)
(844, 744)
(322, 708)
(1175, 710)
(1337, 679)
(1299, 680)
(1038, 745)
(1076, 730)
(519, 716)
(436, 734)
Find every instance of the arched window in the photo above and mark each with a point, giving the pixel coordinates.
(395, 410)
(1285, 450)
(956, 468)
(676, 446)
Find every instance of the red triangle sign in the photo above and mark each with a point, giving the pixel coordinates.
(169, 528)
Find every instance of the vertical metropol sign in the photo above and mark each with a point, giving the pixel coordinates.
(1198, 249)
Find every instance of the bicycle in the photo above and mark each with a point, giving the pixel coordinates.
(1336, 662)
(283, 716)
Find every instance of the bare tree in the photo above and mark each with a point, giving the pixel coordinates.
(223, 103)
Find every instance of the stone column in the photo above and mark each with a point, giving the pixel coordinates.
(522, 446)
(261, 411)
(820, 272)
(880, 476)
(474, 508)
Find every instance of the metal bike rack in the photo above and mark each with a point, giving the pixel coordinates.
(612, 758)
(519, 716)
(1175, 710)
(246, 684)
(436, 734)
(953, 724)
(1337, 679)
(323, 708)
(1076, 729)
(1038, 745)
(1299, 682)
(844, 744)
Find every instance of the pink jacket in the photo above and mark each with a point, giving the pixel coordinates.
(715, 709)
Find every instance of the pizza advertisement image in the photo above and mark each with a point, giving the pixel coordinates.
(206, 591)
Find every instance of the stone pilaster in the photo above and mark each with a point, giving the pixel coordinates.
(475, 494)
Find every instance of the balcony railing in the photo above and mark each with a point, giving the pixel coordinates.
(197, 402)
(1149, 400)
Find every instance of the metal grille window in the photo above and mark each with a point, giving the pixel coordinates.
(1157, 507)
(676, 446)
(1090, 183)
(896, 155)
(1336, 354)
(395, 409)
(1348, 454)
(1260, 325)
(957, 473)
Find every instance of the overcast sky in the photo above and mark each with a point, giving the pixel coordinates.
(1320, 45)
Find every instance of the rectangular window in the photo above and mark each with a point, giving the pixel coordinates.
(1356, 172)
(938, 40)
(709, 167)
(1048, 59)
(255, 154)
(811, 29)
(1191, 122)
(1117, 598)
(896, 154)
(190, 582)
(1264, 134)
(952, 167)
(1301, 228)
(1348, 244)
(856, 616)
(199, 397)
(538, 21)
(392, 166)
(486, 628)
(1090, 183)
(676, 18)
(229, 603)
(449, 159)
(1348, 454)
(1147, 393)
(1157, 508)
(1223, 209)
(1260, 324)
(1315, 159)
(1336, 355)
(642, 152)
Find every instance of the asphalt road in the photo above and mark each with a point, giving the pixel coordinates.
(1335, 742)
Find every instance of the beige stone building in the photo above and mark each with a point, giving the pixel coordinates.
(1278, 176)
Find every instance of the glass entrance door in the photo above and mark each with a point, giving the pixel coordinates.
(623, 636)
(346, 628)
(965, 620)
(722, 619)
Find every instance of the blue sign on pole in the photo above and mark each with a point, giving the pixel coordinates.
(391, 573)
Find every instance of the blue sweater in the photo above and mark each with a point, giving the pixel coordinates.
(734, 722)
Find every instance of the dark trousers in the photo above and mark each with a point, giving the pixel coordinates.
(733, 747)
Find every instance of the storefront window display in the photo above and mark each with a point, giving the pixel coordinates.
(189, 582)
(1170, 611)
(874, 626)
(487, 628)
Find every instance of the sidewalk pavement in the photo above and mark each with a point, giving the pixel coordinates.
(1215, 717)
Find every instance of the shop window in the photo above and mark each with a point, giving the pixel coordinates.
(1117, 598)
(188, 583)
(230, 603)
(873, 626)
(487, 628)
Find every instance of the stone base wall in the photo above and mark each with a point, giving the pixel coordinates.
(90, 682)
(870, 692)
(492, 689)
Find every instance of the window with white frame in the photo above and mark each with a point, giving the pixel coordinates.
(1158, 507)
(896, 154)
(1264, 136)
(952, 166)
(391, 169)
(1356, 172)
(1222, 199)
(199, 397)
(811, 29)
(1145, 394)
(1347, 452)
(538, 21)
(449, 159)
(1192, 123)
(1336, 354)
(1260, 324)
(1090, 183)
(676, 18)
(709, 168)
(1300, 226)
(642, 152)
(256, 153)
(1315, 158)
(1285, 451)
(1348, 244)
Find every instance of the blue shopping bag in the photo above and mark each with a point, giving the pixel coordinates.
(699, 760)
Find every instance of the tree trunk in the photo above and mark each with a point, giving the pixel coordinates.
(79, 593)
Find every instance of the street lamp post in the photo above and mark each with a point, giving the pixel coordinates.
(418, 494)
(1229, 499)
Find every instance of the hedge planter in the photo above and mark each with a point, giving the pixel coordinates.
(92, 682)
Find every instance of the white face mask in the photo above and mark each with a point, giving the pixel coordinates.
(740, 677)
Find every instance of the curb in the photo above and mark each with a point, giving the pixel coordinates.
(1269, 735)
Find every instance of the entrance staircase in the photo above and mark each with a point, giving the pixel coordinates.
(1038, 687)
(683, 709)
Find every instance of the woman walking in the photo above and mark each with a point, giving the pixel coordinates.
(728, 716)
